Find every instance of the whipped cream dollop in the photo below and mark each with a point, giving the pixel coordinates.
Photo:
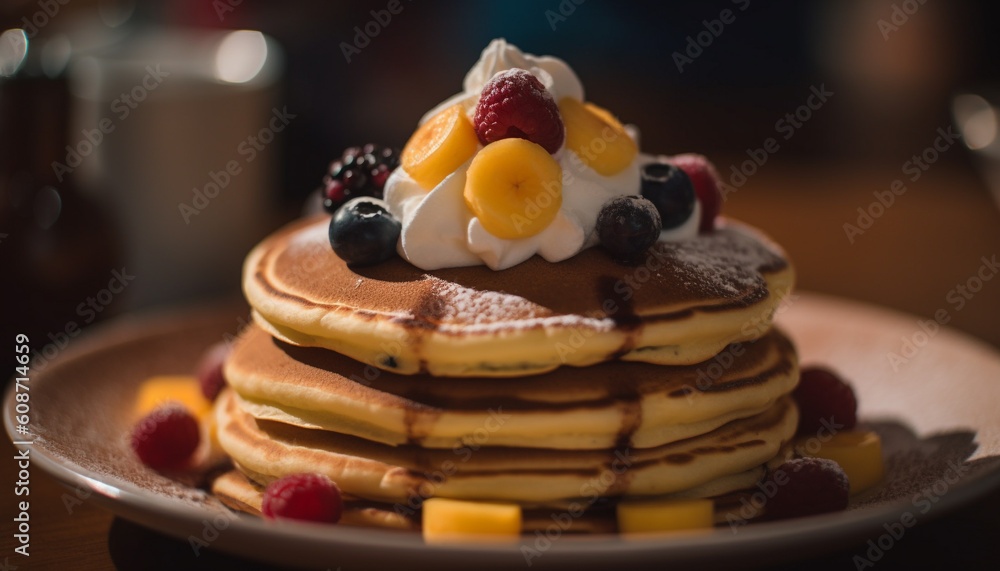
(439, 230)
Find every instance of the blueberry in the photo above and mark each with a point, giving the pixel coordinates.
(671, 191)
(363, 232)
(627, 227)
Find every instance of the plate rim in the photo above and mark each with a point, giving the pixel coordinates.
(144, 507)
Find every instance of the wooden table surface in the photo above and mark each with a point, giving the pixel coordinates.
(929, 241)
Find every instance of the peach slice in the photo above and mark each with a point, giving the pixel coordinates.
(596, 137)
(439, 146)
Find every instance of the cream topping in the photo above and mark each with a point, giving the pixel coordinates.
(439, 230)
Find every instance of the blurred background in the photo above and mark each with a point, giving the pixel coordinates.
(146, 146)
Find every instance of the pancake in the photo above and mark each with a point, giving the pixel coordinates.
(598, 407)
(683, 306)
(241, 493)
(266, 450)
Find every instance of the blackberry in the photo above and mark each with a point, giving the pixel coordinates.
(360, 171)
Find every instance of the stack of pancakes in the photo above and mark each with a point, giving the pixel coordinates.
(563, 387)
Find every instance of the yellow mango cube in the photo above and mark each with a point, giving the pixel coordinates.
(859, 453)
(458, 521)
(665, 515)
(156, 391)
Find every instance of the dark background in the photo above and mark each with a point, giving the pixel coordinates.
(61, 241)
(891, 93)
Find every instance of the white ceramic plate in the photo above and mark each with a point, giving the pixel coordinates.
(936, 412)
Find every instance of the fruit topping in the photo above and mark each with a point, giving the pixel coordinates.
(446, 521)
(363, 232)
(595, 136)
(858, 452)
(307, 496)
(664, 515)
(514, 104)
(806, 486)
(627, 226)
(514, 187)
(706, 186)
(360, 171)
(209, 370)
(670, 190)
(184, 390)
(826, 403)
(165, 438)
(438, 147)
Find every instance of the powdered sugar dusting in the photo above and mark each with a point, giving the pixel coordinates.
(455, 307)
(725, 263)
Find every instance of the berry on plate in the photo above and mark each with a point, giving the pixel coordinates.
(670, 190)
(209, 370)
(307, 497)
(165, 438)
(514, 104)
(627, 226)
(806, 486)
(363, 232)
(858, 452)
(825, 402)
(706, 186)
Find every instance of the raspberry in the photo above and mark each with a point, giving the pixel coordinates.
(165, 438)
(706, 186)
(822, 396)
(309, 497)
(209, 370)
(514, 104)
(806, 486)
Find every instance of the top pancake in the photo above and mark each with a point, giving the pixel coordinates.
(682, 306)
